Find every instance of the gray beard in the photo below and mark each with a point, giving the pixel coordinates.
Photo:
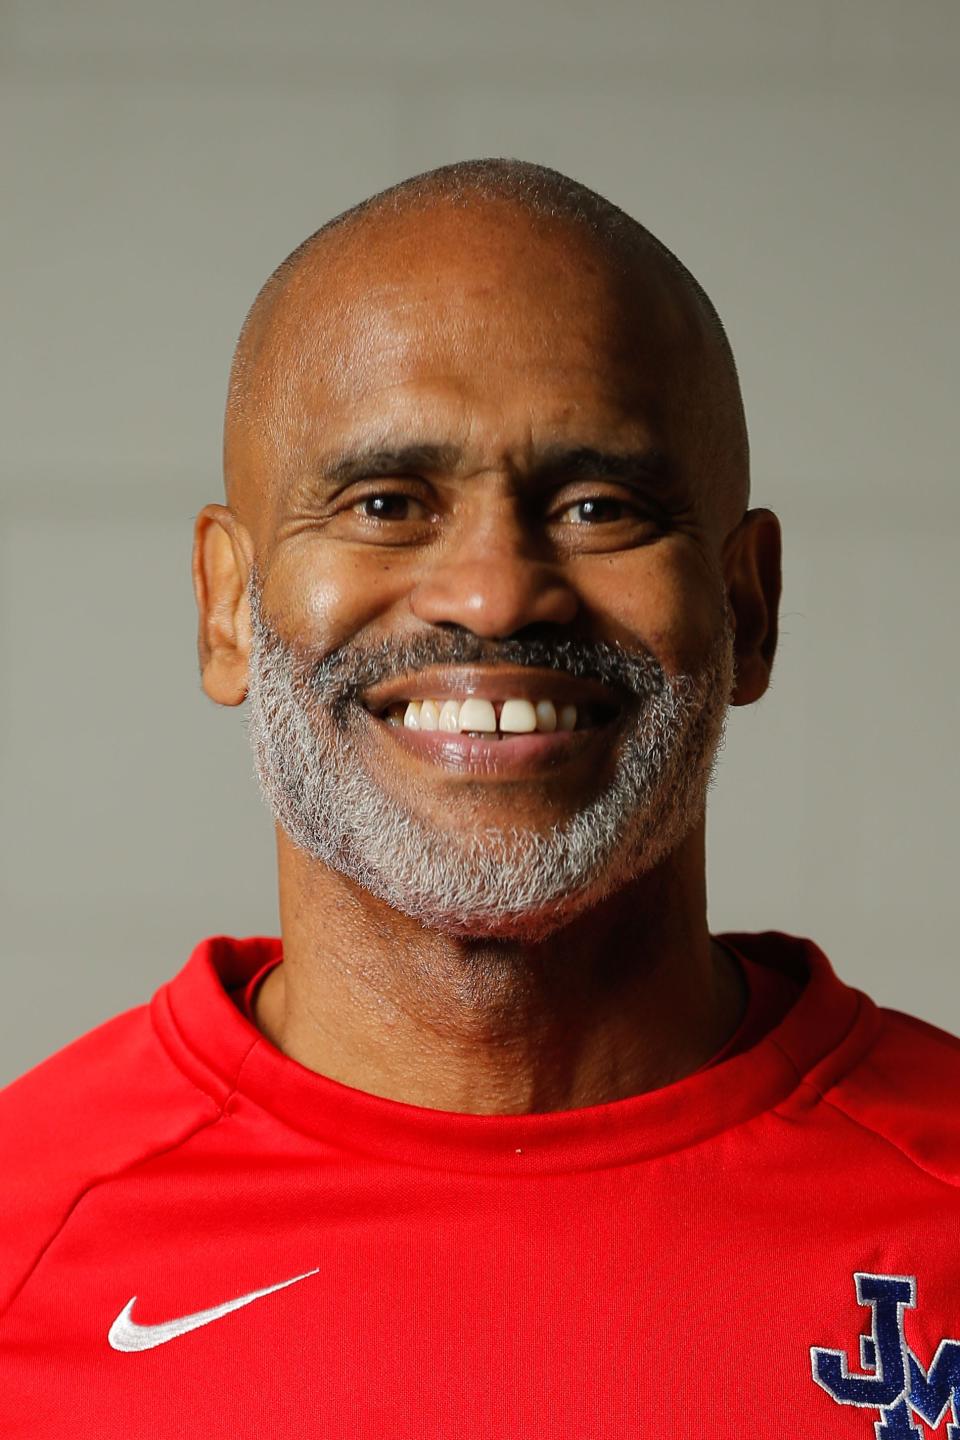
(305, 719)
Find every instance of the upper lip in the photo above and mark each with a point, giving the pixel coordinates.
(500, 682)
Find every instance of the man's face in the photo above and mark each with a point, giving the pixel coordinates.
(484, 487)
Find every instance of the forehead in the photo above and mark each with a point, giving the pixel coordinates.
(477, 326)
(469, 286)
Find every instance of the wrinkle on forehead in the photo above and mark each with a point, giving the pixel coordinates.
(361, 300)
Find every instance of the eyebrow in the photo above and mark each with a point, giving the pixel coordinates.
(368, 464)
(557, 462)
(585, 462)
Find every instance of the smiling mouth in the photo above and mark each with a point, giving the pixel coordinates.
(479, 718)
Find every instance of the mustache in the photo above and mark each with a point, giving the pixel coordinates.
(338, 679)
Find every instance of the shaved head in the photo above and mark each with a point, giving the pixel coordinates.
(490, 224)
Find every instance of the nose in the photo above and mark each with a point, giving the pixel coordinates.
(490, 582)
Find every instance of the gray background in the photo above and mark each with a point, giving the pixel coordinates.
(159, 160)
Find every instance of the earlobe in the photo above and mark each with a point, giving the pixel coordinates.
(752, 574)
(220, 569)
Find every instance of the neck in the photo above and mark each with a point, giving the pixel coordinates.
(631, 996)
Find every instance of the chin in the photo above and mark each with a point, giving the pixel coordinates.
(528, 926)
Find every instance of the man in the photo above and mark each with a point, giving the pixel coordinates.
(497, 1139)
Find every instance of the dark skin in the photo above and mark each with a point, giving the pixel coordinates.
(499, 340)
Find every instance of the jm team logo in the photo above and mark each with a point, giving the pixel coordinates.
(892, 1381)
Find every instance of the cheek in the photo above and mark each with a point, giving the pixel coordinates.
(664, 597)
(322, 596)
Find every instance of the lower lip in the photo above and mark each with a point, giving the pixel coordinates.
(519, 755)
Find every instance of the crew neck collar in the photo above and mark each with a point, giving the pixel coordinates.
(825, 1030)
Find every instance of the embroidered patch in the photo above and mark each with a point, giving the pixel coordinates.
(891, 1379)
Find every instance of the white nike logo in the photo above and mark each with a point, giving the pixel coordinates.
(126, 1334)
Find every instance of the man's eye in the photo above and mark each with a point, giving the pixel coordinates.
(594, 511)
(389, 506)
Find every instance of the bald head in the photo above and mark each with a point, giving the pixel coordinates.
(503, 233)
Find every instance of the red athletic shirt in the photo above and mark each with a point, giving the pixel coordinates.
(769, 1247)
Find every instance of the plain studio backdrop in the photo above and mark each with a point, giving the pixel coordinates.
(159, 160)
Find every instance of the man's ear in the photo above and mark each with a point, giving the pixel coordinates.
(751, 567)
(221, 547)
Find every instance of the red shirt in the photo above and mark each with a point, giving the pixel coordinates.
(768, 1247)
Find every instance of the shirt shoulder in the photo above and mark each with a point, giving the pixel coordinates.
(100, 1105)
(906, 1090)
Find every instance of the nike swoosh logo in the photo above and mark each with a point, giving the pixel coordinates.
(126, 1334)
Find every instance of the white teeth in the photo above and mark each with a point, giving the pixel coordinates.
(478, 714)
(517, 717)
(478, 717)
(546, 717)
(429, 715)
(450, 716)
